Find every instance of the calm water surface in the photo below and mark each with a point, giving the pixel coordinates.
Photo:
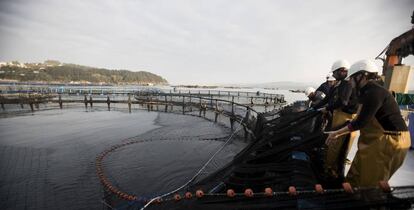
(47, 158)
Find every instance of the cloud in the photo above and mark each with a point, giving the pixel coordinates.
(203, 41)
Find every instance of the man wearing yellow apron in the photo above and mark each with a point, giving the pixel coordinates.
(341, 103)
(384, 138)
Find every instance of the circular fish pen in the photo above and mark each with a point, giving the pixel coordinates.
(280, 167)
(239, 119)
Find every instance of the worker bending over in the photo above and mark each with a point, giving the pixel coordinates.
(384, 138)
(314, 96)
(327, 85)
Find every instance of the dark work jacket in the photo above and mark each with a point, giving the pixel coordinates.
(341, 96)
(324, 88)
(378, 102)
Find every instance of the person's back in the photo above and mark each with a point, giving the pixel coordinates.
(324, 88)
(343, 97)
(379, 103)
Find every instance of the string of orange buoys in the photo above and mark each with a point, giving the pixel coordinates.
(105, 182)
(268, 192)
(114, 190)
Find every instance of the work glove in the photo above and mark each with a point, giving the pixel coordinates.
(310, 109)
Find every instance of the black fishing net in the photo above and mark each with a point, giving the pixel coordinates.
(286, 155)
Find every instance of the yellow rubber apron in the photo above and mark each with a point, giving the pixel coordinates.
(334, 160)
(380, 153)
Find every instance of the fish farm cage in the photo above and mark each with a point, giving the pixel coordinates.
(280, 168)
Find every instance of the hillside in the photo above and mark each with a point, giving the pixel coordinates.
(76, 74)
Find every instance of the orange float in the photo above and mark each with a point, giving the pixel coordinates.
(199, 193)
(231, 193)
(319, 189)
(125, 197)
(292, 191)
(188, 195)
(121, 195)
(268, 192)
(177, 197)
(248, 192)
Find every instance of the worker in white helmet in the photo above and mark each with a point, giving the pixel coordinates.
(309, 90)
(384, 137)
(327, 85)
(341, 104)
(314, 96)
(330, 81)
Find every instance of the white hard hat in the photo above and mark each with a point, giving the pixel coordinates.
(363, 65)
(340, 64)
(330, 77)
(309, 90)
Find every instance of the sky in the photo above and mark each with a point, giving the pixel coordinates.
(204, 42)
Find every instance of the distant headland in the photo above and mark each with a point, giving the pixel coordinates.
(52, 71)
